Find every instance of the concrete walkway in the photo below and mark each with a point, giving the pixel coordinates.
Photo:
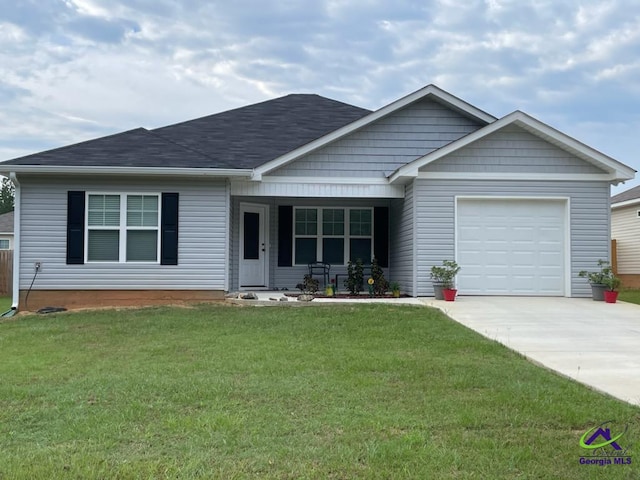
(595, 343)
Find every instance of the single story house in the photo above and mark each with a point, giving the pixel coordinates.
(6, 231)
(245, 199)
(625, 230)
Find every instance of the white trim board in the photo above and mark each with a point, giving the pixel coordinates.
(562, 177)
(312, 189)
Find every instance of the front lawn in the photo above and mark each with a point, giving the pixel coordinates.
(630, 295)
(371, 391)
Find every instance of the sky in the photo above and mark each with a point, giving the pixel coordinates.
(72, 70)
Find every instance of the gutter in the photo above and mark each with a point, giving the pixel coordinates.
(92, 170)
(16, 242)
(627, 203)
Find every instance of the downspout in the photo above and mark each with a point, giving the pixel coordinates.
(16, 245)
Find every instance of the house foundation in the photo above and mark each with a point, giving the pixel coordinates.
(113, 298)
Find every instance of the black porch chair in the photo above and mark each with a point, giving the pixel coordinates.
(322, 269)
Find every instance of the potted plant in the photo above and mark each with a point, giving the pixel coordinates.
(443, 279)
(598, 278)
(438, 275)
(612, 283)
(395, 289)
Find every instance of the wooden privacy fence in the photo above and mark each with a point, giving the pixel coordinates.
(6, 272)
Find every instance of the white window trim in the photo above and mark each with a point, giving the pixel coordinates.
(122, 228)
(8, 247)
(319, 235)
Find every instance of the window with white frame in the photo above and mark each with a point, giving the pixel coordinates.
(122, 228)
(4, 244)
(332, 235)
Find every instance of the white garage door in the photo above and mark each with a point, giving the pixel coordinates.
(511, 247)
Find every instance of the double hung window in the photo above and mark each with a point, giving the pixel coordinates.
(332, 235)
(122, 228)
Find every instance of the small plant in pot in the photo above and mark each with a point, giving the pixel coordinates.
(598, 279)
(443, 280)
(612, 283)
(395, 289)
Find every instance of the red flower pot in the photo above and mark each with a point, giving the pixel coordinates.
(610, 296)
(449, 294)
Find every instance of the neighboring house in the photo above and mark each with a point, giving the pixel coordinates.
(244, 199)
(6, 231)
(625, 230)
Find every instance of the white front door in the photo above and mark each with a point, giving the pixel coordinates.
(254, 252)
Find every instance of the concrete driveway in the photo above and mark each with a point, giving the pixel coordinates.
(595, 343)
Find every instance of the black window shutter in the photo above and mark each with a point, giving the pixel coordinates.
(285, 236)
(75, 227)
(381, 235)
(169, 229)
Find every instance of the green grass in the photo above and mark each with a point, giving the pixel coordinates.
(630, 295)
(372, 391)
(5, 304)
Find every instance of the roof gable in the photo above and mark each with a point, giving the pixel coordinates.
(617, 171)
(430, 91)
(381, 147)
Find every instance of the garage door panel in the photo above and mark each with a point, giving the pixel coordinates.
(511, 247)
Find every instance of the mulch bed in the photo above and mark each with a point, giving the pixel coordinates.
(347, 296)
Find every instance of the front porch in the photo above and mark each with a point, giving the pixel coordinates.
(274, 239)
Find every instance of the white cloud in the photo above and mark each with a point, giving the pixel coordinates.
(74, 69)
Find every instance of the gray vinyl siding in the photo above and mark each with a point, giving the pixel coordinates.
(511, 150)
(401, 249)
(435, 221)
(285, 277)
(386, 145)
(202, 244)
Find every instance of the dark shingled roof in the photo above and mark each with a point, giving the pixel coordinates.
(631, 194)
(251, 136)
(134, 148)
(242, 138)
(6, 222)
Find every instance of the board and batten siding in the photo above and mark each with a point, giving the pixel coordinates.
(511, 150)
(435, 221)
(384, 146)
(625, 230)
(202, 245)
(401, 245)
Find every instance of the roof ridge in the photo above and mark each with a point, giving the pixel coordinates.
(258, 104)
